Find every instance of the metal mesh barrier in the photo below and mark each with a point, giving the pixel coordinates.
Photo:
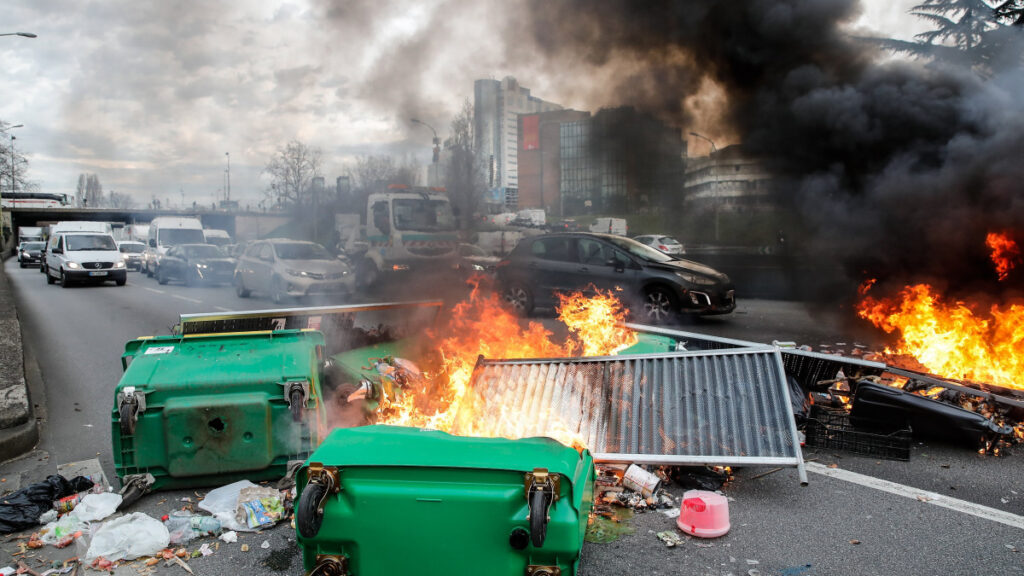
(725, 407)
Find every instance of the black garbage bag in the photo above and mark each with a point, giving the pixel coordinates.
(23, 508)
(798, 400)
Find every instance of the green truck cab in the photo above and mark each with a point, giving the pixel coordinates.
(209, 409)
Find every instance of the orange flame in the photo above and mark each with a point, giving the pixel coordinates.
(953, 339)
(1005, 253)
(482, 326)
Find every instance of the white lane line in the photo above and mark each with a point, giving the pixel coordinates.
(186, 299)
(152, 289)
(222, 309)
(954, 504)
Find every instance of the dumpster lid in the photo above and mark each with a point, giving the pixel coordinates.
(383, 445)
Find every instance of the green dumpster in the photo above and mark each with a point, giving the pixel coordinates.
(384, 500)
(212, 409)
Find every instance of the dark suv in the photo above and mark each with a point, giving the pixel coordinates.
(654, 284)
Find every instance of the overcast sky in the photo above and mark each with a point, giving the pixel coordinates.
(149, 95)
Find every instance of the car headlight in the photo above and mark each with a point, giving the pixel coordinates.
(696, 279)
(201, 266)
(478, 268)
(73, 265)
(119, 264)
(299, 273)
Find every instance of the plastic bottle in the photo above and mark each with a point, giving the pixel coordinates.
(183, 527)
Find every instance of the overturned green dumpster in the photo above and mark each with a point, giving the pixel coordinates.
(203, 410)
(382, 500)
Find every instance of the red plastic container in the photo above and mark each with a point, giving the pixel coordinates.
(704, 514)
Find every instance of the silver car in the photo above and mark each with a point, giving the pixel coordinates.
(291, 268)
(660, 242)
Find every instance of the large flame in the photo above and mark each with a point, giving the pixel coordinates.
(482, 326)
(1005, 253)
(955, 339)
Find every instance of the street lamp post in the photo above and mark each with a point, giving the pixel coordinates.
(437, 144)
(25, 34)
(228, 189)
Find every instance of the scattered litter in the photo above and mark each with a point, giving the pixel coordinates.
(179, 562)
(128, 537)
(48, 516)
(796, 570)
(245, 547)
(205, 549)
(260, 507)
(23, 508)
(752, 562)
(230, 537)
(753, 572)
(1004, 500)
(7, 570)
(62, 533)
(670, 538)
(855, 542)
(94, 507)
(671, 512)
(265, 545)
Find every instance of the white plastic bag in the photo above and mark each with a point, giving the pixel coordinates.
(96, 506)
(223, 502)
(56, 531)
(128, 538)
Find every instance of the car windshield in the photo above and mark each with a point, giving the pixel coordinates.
(203, 252)
(32, 246)
(423, 214)
(90, 242)
(175, 236)
(639, 250)
(668, 241)
(301, 251)
(133, 248)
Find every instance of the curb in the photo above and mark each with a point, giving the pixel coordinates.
(23, 432)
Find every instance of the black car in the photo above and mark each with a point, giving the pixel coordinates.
(30, 253)
(653, 284)
(195, 263)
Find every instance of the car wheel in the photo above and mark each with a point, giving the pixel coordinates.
(519, 298)
(42, 267)
(64, 282)
(121, 281)
(21, 264)
(659, 305)
(240, 288)
(161, 276)
(191, 278)
(49, 279)
(277, 293)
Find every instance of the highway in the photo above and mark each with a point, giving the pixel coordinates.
(874, 523)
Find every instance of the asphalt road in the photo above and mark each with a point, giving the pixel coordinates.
(832, 526)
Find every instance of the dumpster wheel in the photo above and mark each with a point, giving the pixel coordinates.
(296, 404)
(538, 517)
(308, 517)
(126, 418)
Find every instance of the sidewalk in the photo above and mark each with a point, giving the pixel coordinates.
(18, 429)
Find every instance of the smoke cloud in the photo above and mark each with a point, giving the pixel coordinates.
(897, 167)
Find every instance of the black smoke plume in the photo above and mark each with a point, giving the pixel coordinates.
(899, 169)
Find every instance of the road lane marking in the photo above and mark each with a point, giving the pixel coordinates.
(152, 289)
(222, 309)
(993, 514)
(186, 299)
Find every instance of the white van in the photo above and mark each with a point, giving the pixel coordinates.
(167, 231)
(75, 253)
(219, 238)
(615, 226)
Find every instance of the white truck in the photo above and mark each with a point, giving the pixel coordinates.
(403, 231)
(167, 231)
(219, 238)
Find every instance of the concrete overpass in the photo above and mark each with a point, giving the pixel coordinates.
(242, 226)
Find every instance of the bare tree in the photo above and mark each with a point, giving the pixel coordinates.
(291, 172)
(12, 162)
(372, 173)
(464, 174)
(120, 200)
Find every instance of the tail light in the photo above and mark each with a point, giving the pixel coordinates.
(662, 247)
